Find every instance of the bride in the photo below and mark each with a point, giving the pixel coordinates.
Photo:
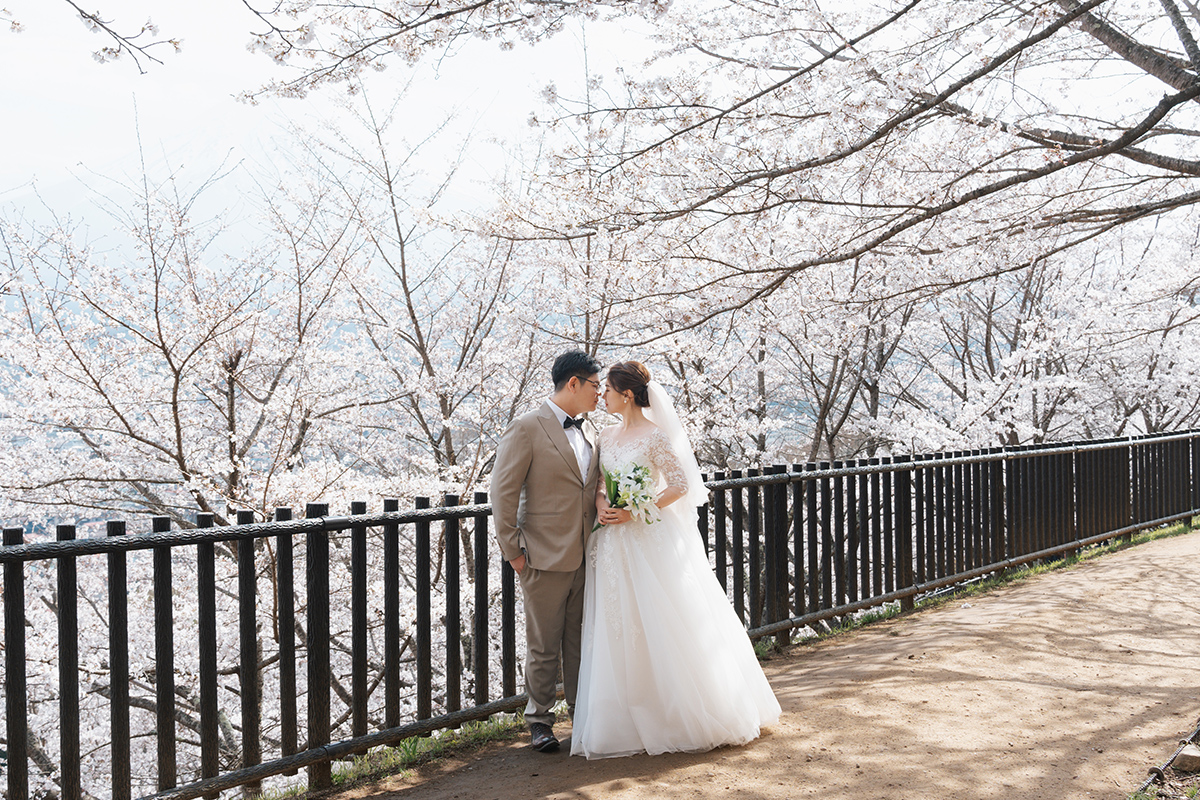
(666, 663)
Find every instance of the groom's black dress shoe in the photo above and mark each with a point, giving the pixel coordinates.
(543, 737)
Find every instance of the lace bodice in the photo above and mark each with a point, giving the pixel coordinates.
(652, 450)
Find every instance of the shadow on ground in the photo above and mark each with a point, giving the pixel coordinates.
(1068, 685)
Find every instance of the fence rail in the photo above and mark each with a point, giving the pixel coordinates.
(791, 545)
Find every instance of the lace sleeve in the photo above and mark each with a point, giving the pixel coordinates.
(665, 461)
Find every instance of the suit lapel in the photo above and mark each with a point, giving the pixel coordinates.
(593, 440)
(558, 437)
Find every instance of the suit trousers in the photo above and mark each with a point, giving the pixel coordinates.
(553, 634)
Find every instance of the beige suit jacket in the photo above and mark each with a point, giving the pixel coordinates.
(541, 505)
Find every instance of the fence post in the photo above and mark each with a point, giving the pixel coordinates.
(1121, 464)
(508, 629)
(739, 580)
(1018, 485)
(919, 535)
(251, 683)
(164, 659)
(358, 624)
(720, 543)
(391, 617)
(1047, 501)
(480, 634)
(68, 670)
(781, 557)
(15, 689)
(769, 550)
(1179, 466)
(424, 649)
(1194, 447)
(285, 581)
(904, 530)
(317, 644)
(798, 500)
(958, 515)
(118, 673)
(838, 562)
(1067, 494)
(996, 526)
(453, 609)
(973, 501)
(206, 623)
(889, 528)
(826, 568)
(1156, 455)
(863, 516)
(852, 563)
(936, 489)
(811, 548)
(754, 539)
(875, 583)
(1183, 463)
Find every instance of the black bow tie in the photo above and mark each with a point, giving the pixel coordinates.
(571, 421)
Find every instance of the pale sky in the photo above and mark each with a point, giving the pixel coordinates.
(66, 114)
(63, 110)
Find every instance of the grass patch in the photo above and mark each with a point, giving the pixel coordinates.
(765, 647)
(282, 794)
(383, 762)
(408, 753)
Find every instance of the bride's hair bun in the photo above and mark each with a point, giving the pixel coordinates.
(631, 376)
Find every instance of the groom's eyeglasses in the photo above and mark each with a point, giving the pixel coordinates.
(593, 383)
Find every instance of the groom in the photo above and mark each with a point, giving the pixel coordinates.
(544, 504)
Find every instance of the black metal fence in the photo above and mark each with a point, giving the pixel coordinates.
(792, 546)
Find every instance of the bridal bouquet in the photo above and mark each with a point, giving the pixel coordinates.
(631, 487)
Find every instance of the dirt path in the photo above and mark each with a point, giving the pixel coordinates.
(1068, 685)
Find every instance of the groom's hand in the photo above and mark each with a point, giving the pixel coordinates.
(518, 564)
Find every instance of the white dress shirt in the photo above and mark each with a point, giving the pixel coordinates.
(579, 442)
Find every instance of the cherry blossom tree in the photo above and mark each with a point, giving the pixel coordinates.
(1085, 347)
(146, 371)
(162, 367)
(428, 307)
(929, 126)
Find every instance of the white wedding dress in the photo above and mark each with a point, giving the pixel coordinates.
(666, 663)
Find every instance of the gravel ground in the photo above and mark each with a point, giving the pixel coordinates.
(1070, 684)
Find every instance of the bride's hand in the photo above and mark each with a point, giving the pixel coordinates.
(614, 516)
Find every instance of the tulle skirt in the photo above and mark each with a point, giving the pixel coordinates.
(666, 663)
